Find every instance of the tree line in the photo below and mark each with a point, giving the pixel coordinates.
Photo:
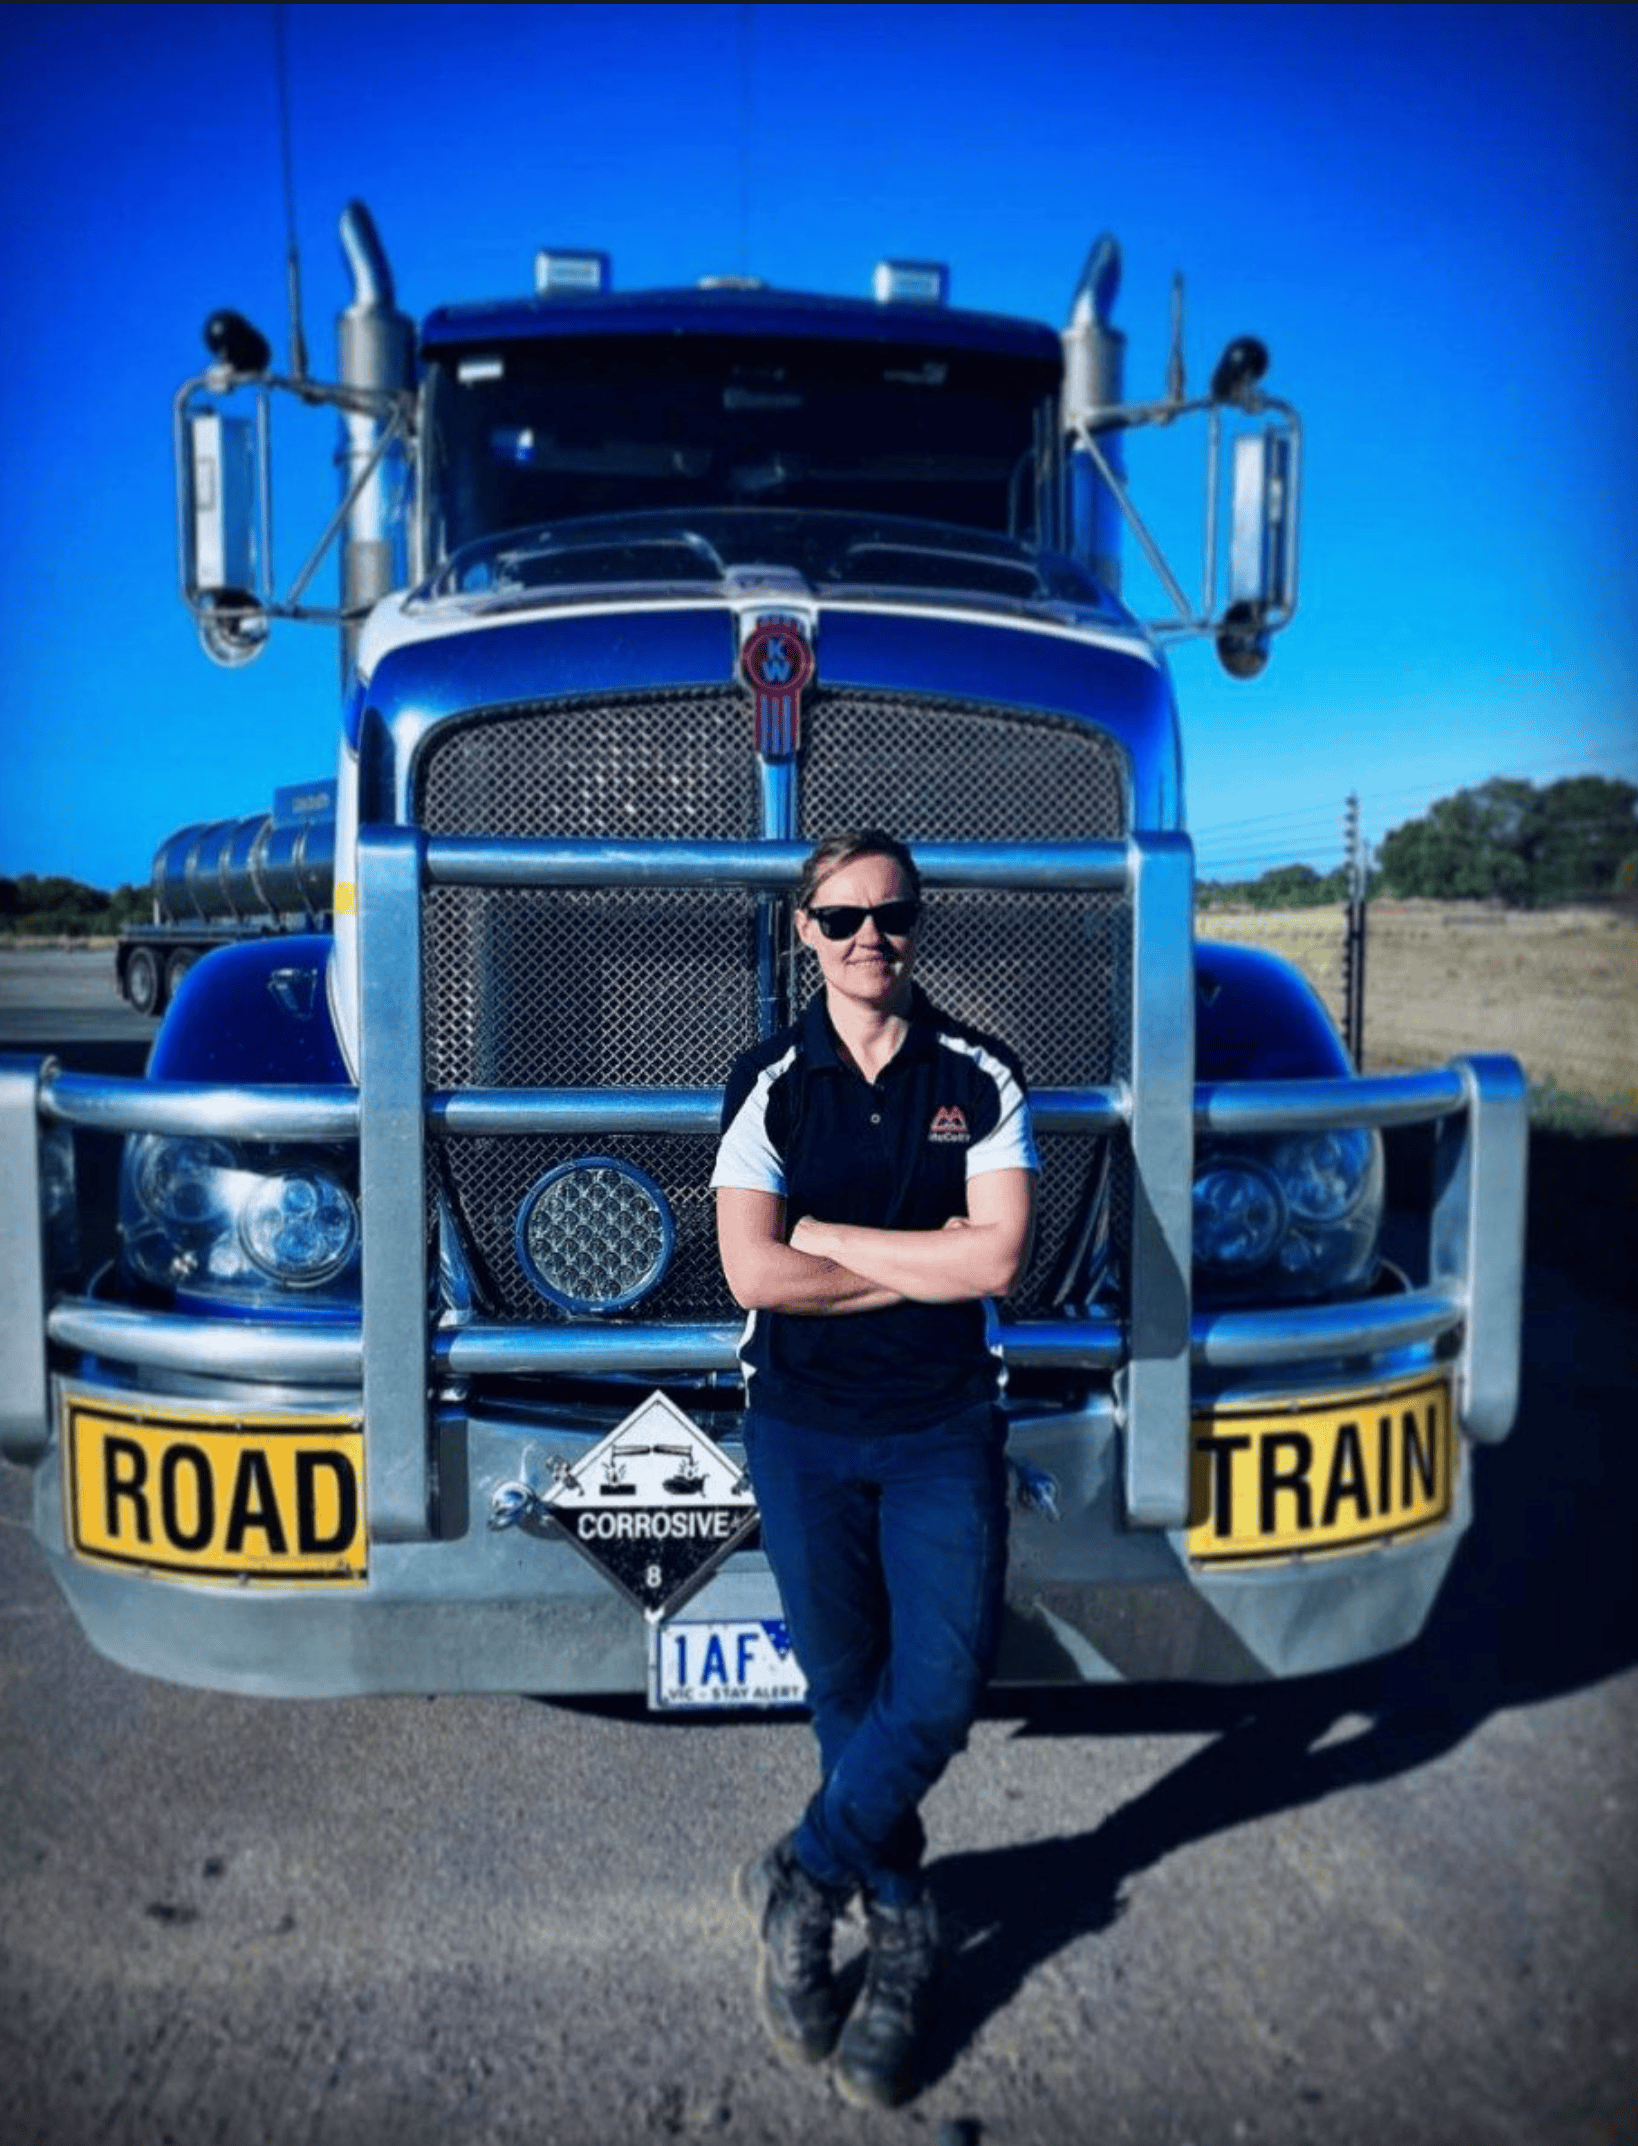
(1504, 841)
(1507, 841)
(1284, 886)
(53, 907)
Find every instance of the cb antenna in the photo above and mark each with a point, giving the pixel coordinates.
(1174, 359)
(292, 257)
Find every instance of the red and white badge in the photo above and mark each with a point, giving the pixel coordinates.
(777, 664)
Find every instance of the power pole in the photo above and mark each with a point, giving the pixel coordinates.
(1353, 961)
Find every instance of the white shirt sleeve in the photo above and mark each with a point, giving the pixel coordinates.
(1011, 1146)
(747, 1158)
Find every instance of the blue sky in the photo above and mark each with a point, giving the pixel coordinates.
(1426, 212)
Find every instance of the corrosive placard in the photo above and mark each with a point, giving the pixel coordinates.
(656, 1506)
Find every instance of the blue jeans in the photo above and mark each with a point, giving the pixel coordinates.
(890, 1551)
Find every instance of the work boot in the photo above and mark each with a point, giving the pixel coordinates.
(878, 2057)
(795, 1917)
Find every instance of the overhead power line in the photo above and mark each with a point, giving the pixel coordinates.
(1324, 812)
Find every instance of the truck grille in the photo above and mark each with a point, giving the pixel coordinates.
(640, 987)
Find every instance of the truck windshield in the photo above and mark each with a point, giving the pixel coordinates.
(535, 433)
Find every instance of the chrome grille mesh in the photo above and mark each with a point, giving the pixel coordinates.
(600, 988)
(581, 987)
(1037, 970)
(930, 771)
(673, 766)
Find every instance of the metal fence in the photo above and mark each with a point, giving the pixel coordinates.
(1557, 987)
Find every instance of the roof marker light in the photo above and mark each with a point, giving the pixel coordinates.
(924, 283)
(558, 269)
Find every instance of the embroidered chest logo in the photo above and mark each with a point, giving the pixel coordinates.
(949, 1125)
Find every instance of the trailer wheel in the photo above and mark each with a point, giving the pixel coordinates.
(175, 969)
(142, 984)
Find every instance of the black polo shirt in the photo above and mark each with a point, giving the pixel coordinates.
(800, 1121)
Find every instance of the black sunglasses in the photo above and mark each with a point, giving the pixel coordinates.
(895, 920)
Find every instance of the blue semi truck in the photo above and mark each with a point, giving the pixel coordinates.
(412, 1366)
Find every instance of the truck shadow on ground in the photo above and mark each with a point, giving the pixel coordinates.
(1540, 1602)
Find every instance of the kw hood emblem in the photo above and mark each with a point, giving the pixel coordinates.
(777, 664)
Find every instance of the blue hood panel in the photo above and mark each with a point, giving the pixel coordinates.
(255, 1015)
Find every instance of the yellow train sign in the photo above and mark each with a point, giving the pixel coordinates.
(1270, 1481)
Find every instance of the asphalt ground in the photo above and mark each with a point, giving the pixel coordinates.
(1398, 1903)
(68, 1000)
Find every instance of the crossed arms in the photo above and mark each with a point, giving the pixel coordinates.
(829, 1268)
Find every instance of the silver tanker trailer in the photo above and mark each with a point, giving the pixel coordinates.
(220, 881)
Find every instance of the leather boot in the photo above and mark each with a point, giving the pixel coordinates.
(878, 2057)
(795, 1918)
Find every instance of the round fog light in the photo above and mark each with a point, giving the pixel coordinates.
(595, 1235)
(300, 1228)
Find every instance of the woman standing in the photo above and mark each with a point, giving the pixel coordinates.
(874, 1184)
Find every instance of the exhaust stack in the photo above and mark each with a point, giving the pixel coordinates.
(1094, 383)
(376, 353)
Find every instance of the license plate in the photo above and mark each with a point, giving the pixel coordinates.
(268, 1499)
(1268, 1482)
(742, 1662)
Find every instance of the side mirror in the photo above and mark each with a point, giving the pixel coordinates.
(233, 342)
(1262, 590)
(223, 440)
(1257, 436)
(221, 471)
(1239, 370)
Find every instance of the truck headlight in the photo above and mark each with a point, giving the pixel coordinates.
(1295, 1214)
(1324, 1175)
(300, 1228)
(181, 1183)
(210, 1220)
(1239, 1216)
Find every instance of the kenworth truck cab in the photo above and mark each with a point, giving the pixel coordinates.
(415, 1368)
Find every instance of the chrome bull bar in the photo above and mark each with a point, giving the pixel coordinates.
(1476, 1240)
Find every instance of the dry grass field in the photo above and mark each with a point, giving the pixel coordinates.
(1558, 987)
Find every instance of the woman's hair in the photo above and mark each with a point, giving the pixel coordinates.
(845, 848)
